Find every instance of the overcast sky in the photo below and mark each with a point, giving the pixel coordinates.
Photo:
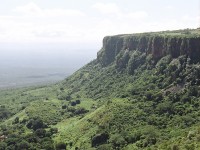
(83, 23)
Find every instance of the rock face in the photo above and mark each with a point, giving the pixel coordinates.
(158, 45)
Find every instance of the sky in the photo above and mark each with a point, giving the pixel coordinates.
(82, 24)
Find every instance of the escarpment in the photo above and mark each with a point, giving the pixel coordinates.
(157, 45)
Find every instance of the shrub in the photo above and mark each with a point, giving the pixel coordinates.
(32, 138)
(175, 147)
(78, 101)
(40, 133)
(80, 111)
(68, 97)
(134, 137)
(149, 95)
(185, 99)
(73, 103)
(54, 130)
(193, 91)
(99, 139)
(64, 106)
(117, 140)
(61, 146)
(4, 113)
(136, 59)
(190, 146)
(64, 96)
(191, 134)
(164, 107)
(48, 145)
(16, 120)
(35, 124)
(162, 64)
(3, 145)
(104, 147)
(23, 145)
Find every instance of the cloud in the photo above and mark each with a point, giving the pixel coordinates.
(30, 8)
(32, 23)
(169, 7)
(63, 12)
(136, 15)
(189, 18)
(113, 9)
(34, 10)
(48, 34)
(106, 8)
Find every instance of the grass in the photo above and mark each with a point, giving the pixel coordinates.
(137, 110)
(78, 130)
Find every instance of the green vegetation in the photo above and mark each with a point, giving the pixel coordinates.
(133, 101)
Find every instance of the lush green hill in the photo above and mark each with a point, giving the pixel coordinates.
(142, 92)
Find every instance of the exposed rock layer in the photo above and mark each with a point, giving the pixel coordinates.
(157, 45)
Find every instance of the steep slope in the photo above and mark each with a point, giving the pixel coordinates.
(156, 44)
(142, 92)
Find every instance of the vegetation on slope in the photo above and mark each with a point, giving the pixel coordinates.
(133, 101)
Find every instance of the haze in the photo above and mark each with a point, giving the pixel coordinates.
(65, 34)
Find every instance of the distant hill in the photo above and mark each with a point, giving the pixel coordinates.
(142, 92)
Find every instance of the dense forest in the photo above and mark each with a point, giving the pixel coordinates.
(142, 92)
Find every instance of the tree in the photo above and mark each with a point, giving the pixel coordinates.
(100, 139)
(35, 124)
(23, 145)
(117, 140)
(64, 106)
(61, 146)
(73, 103)
(40, 133)
(16, 120)
(47, 144)
(193, 91)
(3, 145)
(78, 101)
(68, 97)
(54, 130)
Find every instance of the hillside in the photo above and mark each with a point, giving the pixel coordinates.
(142, 92)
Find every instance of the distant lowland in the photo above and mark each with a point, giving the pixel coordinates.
(32, 67)
(20, 77)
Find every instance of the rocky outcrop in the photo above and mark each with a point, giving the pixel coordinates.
(158, 45)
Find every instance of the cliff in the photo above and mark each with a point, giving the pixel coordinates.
(143, 92)
(157, 44)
